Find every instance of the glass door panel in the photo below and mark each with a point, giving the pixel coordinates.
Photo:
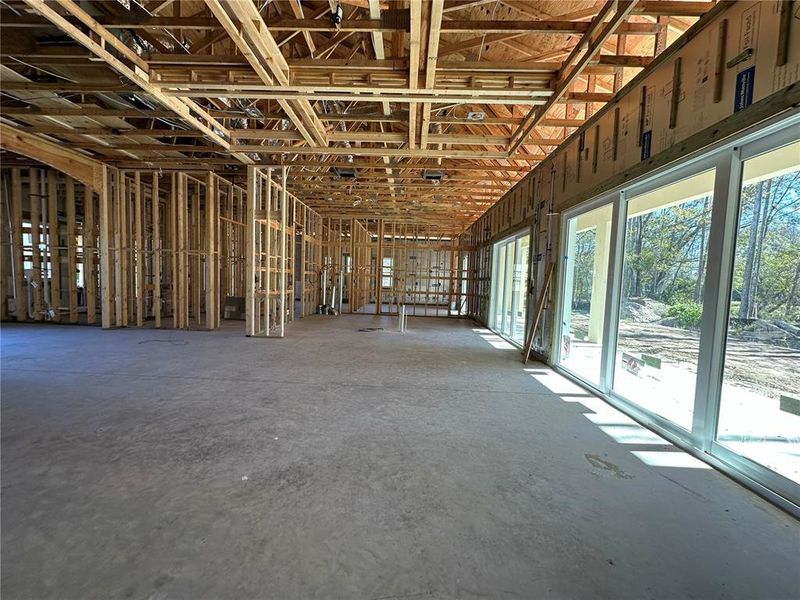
(505, 328)
(519, 291)
(585, 276)
(509, 273)
(663, 280)
(760, 400)
(499, 277)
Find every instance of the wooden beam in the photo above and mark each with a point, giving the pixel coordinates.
(297, 10)
(435, 28)
(246, 28)
(587, 48)
(187, 109)
(84, 169)
(415, 40)
(392, 152)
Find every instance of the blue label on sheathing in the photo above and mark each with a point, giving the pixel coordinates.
(745, 82)
(647, 139)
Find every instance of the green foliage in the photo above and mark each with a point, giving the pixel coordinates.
(688, 314)
(666, 254)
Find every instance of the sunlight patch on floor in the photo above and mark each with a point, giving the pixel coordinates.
(678, 459)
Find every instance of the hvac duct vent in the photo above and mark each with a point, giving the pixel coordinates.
(432, 175)
(345, 172)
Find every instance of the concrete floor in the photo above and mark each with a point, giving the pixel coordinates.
(339, 463)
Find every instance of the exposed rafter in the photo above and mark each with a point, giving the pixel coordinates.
(244, 24)
(591, 43)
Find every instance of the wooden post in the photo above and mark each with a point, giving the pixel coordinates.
(283, 270)
(211, 288)
(37, 279)
(250, 221)
(181, 276)
(20, 290)
(72, 264)
(54, 244)
(105, 250)
(173, 232)
(268, 231)
(197, 248)
(379, 270)
(89, 260)
(138, 246)
(156, 251)
(122, 251)
(116, 227)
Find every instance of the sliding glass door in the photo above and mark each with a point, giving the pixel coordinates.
(588, 242)
(661, 308)
(759, 414)
(679, 302)
(509, 287)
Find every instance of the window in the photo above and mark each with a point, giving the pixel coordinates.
(386, 272)
(663, 280)
(510, 287)
(585, 276)
(698, 335)
(760, 400)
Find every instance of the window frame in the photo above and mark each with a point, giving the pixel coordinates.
(726, 158)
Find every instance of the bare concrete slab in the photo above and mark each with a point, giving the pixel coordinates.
(339, 463)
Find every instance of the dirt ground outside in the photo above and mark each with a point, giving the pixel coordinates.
(763, 368)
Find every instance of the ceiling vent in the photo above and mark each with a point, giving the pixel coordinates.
(345, 172)
(432, 175)
(476, 116)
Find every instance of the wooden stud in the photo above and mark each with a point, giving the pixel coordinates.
(54, 244)
(719, 63)
(119, 277)
(90, 247)
(72, 264)
(211, 250)
(139, 254)
(156, 208)
(21, 291)
(784, 30)
(182, 275)
(283, 264)
(676, 93)
(105, 242)
(250, 265)
(642, 116)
